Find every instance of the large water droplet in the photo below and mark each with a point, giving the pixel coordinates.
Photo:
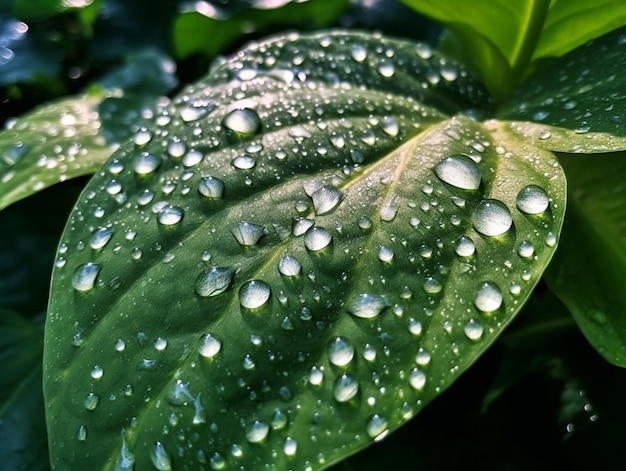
(464, 247)
(367, 305)
(326, 198)
(84, 277)
(376, 426)
(526, 249)
(492, 218)
(170, 215)
(459, 171)
(345, 388)
(417, 379)
(244, 162)
(473, 329)
(247, 233)
(244, 121)
(340, 351)
(211, 187)
(257, 431)
(532, 199)
(100, 237)
(214, 281)
(254, 294)
(146, 163)
(488, 297)
(289, 266)
(209, 346)
(196, 111)
(432, 285)
(316, 376)
(126, 460)
(358, 52)
(290, 446)
(160, 457)
(317, 238)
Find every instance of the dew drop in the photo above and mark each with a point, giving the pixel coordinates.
(386, 69)
(247, 233)
(345, 388)
(214, 281)
(81, 434)
(464, 247)
(196, 111)
(142, 137)
(211, 187)
(422, 357)
(388, 212)
(84, 277)
(390, 126)
(257, 431)
(385, 254)
(244, 162)
(290, 447)
(551, 239)
(209, 346)
(415, 326)
(417, 379)
(160, 344)
(526, 249)
(364, 222)
(126, 460)
(301, 225)
(340, 351)
(459, 171)
(367, 305)
(243, 121)
(192, 158)
(97, 372)
(376, 426)
(492, 218)
(488, 297)
(473, 329)
(432, 285)
(217, 462)
(170, 215)
(91, 401)
(146, 163)
(317, 238)
(254, 293)
(358, 52)
(325, 199)
(100, 237)
(160, 457)
(176, 148)
(120, 345)
(532, 199)
(316, 376)
(289, 266)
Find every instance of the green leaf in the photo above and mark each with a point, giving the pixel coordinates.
(209, 30)
(588, 271)
(74, 136)
(308, 251)
(577, 103)
(22, 427)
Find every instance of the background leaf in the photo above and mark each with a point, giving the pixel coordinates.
(585, 114)
(588, 271)
(299, 258)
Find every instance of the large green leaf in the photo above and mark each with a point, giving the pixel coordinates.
(578, 102)
(589, 271)
(313, 244)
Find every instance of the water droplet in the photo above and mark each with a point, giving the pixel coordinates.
(358, 52)
(146, 163)
(544, 135)
(415, 326)
(84, 277)
(317, 238)
(388, 212)
(492, 218)
(209, 346)
(81, 434)
(432, 285)
(160, 457)
(364, 222)
(244, 162)
(422, 357)
(488, 297)
(385, 254)
(142, 137)
(257, 431)
(367, 305)
(345, 388)
(170, 215)
(91, 401)
(340, 351)
(525, 249)
(386, 68)
(126, 460)
(532, 199)
(160, 344)
(196, 111)
(326, 198)
(423, 50)
(211, 187)
(247, 233)
(243, 121)
(289, 266)
(459, 171)
(390, 126)
(97, 372)
(417, 379)
(214, 281)
(316, 376)
(192, 158)
(464, 247)
(376, 426)
(301, 225)
(290, 446)
(473, 329)
(217, 462)
(254, 294)
(448, 72)
(551, 239)
(100, 237)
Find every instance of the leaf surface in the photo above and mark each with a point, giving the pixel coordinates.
(312, 245)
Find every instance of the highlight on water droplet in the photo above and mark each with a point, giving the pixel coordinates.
(254, 293)
(85, 275)
(459, 171)
(488, 297)
(214, 281)
(367, 305)
(209, 346)
(492, 218)
(532, 199)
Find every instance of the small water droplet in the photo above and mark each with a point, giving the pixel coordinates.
(257, 431)
(364, 222)
(551, 239)
(160, 457)
(532, 199)
(146, 163)
(492, 218)
(464, 247)
(126, 460)
(390, 126)
(473, 329)
(377, 426)
(290, 447)
(367, 305)
(84, 277)
(211, 187)
(544, 135)
(432, 285)
(100, 237)
(244, 162)
(196, 111)
(488, 297)
(192, 158)
(385, 254)
(358, 52)
(388, 212)
(289, 266)
(209, 346)
(91, 401)
(97, 372)
(459, 171)
(340, 351)
(317, 238)
(170, 215)
(247, 233)
(160, 344)
(422, 357)
(417, 379)
(81, 434)
(526, 249)
(142, 137)
(386, 68)
(415, 326)
(254, 293)
(326, 198)
(245, 121)
(214, 281)
(316, 376)
(345, 388)
(217, 461)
